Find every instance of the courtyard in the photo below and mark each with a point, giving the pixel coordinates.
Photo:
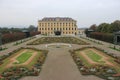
(59, 63)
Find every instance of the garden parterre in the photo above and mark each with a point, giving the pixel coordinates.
(46, 40)
(21, 62)
(104, 66)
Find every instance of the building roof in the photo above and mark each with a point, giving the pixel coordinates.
(57, 19)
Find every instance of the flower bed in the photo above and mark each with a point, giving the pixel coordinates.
(46, 40)
(17, 71)
(102, 70)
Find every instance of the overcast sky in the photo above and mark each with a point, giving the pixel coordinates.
(86, 12)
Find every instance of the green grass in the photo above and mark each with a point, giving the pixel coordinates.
(83, 59)
(95, 57)
(24, 57)
(34, 60)
(2, 67)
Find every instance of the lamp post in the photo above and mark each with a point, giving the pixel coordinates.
(0, 41)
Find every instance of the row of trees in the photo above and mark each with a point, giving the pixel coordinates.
(12, 37)
(14, 34)
(106, 27)
(8, 37)
(4, 30)
(104, 31)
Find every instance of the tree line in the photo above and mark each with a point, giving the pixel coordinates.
(4, 30)
(107, 27)
(104, 31)
(14, 34)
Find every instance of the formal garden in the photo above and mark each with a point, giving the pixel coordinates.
(46, 40)
(95, 61)
(21, 62)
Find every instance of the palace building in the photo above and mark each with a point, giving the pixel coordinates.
(65, 25)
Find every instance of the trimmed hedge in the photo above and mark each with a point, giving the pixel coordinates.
(107, 37)
(6, 38)
(34, 33)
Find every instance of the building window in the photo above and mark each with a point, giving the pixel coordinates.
(69, 28)
(51, 28)
(51, 24)
(66, 28)
(72, 28)
(42, 28)
(40, 24)
(75, 28)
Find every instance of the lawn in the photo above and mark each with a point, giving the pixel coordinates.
(95, 57)
(24, 57)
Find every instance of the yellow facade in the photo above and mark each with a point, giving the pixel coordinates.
(49, 25)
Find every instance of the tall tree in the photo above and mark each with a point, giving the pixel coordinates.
(104, 27)
(32, 28)
(115, 26)
(93, 27)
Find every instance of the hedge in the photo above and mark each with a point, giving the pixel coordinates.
(107, 37)
(10, 37)
(34, 33)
